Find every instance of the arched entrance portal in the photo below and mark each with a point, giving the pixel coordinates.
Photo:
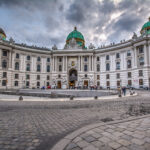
(72, 78)
(59, 84)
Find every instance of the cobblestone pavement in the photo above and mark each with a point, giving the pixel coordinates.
(128, 135)
(39, 125)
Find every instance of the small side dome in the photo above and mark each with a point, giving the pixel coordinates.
(146, 28)
(2, 34)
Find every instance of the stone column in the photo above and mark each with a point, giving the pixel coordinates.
(145, 55)
(78, 63)
(55, 63)
(63, 63)
(92, 63)
(0, 58)
(149, 53)
(89, 63)
(66, 63)
(81, 63)
(135, 57)
(10, 59)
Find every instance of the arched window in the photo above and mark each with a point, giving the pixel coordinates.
(28, 67)
(38, 68)
(4, 64)
(17, 66)
(141, 61)
(85, 68)
(107, 67)
(48, 68)
(98, 67)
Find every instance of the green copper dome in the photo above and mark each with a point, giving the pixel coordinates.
(2, 34)
(77, 36)
(146, 28)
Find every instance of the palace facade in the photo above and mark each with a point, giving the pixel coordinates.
(124, 64)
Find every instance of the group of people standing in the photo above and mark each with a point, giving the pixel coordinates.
(122, 90)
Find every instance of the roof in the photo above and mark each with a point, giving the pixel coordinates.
(75, 34)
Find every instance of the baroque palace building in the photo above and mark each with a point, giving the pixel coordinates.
(124, 64)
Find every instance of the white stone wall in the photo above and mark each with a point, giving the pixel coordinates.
(92, 73)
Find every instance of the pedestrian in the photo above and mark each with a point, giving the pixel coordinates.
(119, 91)
(124, 91)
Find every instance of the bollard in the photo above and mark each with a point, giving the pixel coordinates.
(20, 98)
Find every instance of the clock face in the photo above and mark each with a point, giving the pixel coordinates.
(72, 63)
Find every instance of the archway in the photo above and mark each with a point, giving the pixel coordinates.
(59, 84)
(72, 78)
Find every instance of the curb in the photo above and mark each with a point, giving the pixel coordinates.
(60, 145)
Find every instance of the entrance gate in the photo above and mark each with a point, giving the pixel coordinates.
(72, 78)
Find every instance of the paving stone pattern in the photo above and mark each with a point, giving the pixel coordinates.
(130, 135)
(39, 125)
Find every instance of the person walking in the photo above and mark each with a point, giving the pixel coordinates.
(124, 91)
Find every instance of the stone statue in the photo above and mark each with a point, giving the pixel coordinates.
(91, 46)
(54, 47)
(134, 35)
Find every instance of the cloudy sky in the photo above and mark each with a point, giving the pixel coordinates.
(48, 22)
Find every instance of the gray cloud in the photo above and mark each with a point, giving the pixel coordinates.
(48, 22)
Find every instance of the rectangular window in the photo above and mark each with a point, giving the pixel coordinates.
(4, 74)
(28, 57)
(16, 76)
(17, 56)
(27, 76)
(5, 53)
(108, 84)
(107, 76)
(117, 55)
(60, 59)
(16, 83)
(107, 57)
(97, 58)
(48, 77)
(107, 67)
(38, 77)
(98, 77)
(129, 75)
(118, 83)
(48, 59)
(117, 65)
(85, 68)
(27, 84)
(130, 82)
(140, 73)
(141, 49)
(128, 53)
(141, 82)
(129, 64)
(85, 58)
(4, 82)
(118, 76)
